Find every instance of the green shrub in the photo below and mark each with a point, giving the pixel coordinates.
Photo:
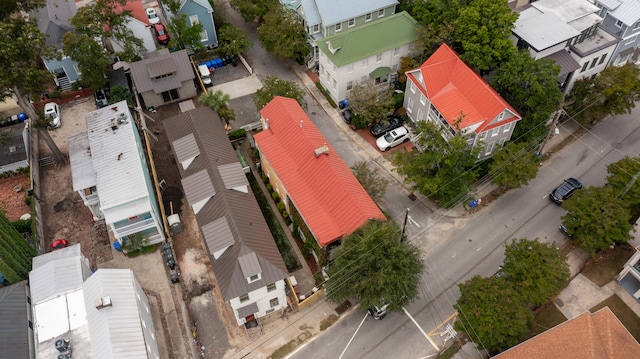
(237, 134)
(326, 94)
(275, 196)
(23, 225)
(269, 187)
(55, 94)
(281, 207)
(265, 179)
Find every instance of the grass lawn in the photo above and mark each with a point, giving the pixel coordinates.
(607, 264)
(628, 318)
(546, 319)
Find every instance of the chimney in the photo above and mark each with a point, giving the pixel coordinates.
(103, 302)
(321, 150)
(300, 123)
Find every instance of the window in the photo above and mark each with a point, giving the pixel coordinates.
(170, 95)
(636, 25)
(352, 22)
(631, 40)
(501, 116)
(194, 20)
(335, 84)
(495, 131)
(502, 141)
(423, 99)
(365, 63)
(367, 17)
(489, 148)
(378, 58)
(507, 127)
(349, 85)
(316, 29)
(338, 27)
(364, 79)
(584, 67)
(254, 278)
(396, 51)
(412, 87)
(593, 63)
(619, 23)
(350, 68)
(271, 287)
(30, 325)
(381, 13)
(420, 115)
(273, 302)
(410, 105)
(602, 59)
(244, 298)
(77, 69)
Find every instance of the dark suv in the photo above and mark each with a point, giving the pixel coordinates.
(565, 190)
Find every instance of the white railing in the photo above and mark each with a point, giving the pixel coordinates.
(133, 228)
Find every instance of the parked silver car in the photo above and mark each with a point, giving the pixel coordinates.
(393, 138)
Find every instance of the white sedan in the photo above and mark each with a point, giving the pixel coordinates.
(152, 15)
(393, 138)
(52, 112)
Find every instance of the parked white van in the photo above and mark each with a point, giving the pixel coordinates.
(205, 74)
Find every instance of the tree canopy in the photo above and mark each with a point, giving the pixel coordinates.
(483, 28)
(283, 34)
(492, 313)
(183, 35)
(369, 104)
(374, 267)
(273, 86)
(597, 218)
(538, 271)
(513, 165)
(442, 169)
(370, 179)
(623, 178)
(253, 9)
(232, 41)
(531, 87)
(15, 253)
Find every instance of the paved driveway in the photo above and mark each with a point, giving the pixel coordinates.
(238, 88)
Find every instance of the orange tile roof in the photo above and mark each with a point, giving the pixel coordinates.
(136, 8)
(323, 189)
(455, 89)
(588, 336)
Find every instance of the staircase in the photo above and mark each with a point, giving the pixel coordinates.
(64, 83)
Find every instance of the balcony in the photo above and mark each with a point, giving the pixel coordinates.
(133, 228)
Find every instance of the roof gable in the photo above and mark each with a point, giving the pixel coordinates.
(147, 73)
(367, 40)
(204, 3)
(456, 90)
(136, 8)
(334, 11)
(322, 187)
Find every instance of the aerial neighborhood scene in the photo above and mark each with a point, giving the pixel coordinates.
(319, 179)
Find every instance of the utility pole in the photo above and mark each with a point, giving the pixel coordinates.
(404, 226)
(554, 122)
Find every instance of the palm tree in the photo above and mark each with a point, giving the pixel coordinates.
(216, 100)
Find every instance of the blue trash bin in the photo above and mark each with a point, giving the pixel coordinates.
(218, 62)
(117, 246)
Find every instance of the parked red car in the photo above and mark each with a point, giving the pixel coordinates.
(58, 244)
(161, 33)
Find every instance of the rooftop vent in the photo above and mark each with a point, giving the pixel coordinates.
(122, 118)
(103, 302)
(266, 123)
(63, 356)
(324, 149)
(62, 345)
(114, 124)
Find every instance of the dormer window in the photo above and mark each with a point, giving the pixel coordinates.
(352, 22)
(367, 17)
(254, 278)
(316, 29)
(163, 76)
(338, 26)
(381, 13)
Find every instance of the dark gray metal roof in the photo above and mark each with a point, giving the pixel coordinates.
(233, 176)
(198, 186)
(217, 235)
(239, 209)
(248, 310)
(565, 61)
(249, 264)
(186, 148)
(14, 326)
(14, 150)
(144, 72)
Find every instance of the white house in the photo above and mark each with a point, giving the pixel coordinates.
(110, 173)
(371, 51)
(138, 24)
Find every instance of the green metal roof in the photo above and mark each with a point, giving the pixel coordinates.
(367, 40)
(379, 72)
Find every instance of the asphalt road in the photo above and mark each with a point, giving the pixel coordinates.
(459, 248)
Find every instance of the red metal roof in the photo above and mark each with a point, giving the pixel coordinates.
(323, 189)
(456, 89)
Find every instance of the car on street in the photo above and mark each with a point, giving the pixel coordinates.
(346, 116)
(152, 15)
(161, 33)
(393, 138)
(58, 244)
(563, 229)
(52, 112)
(378, 312)
(101, 99)
(565, 190)
(390, 123)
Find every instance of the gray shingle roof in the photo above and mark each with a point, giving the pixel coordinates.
(238, 209)
(14, 328)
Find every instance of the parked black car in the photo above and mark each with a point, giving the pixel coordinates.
(565, 190)
(346, 116)
(563, 229)
(386, 125)
(101, 99)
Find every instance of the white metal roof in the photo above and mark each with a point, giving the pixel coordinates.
(580, 14)
(334, 11)
(82, 173)
(116, 331)
(628, 12)
(542, 30)
(118, 159)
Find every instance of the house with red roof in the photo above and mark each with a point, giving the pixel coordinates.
(448, 92)
(309, 176)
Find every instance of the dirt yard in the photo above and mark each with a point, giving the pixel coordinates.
(64, 213)
(13, 195)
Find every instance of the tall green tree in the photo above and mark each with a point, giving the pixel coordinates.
(370, 179)
(22, 48)
(624, 178)
(437, 19)
(15, 253)
(442, 166)
(183, 35)
(283, 34)
(369, 103)
(374, 267)
(492, 313)
(273, 86)
(253, 10)
(597, 218)
(120, 93)
(232, 41)
(216, 100)
(613, 92)
(513, 165)
(531, 87)
(483, 29)
(538, 271)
